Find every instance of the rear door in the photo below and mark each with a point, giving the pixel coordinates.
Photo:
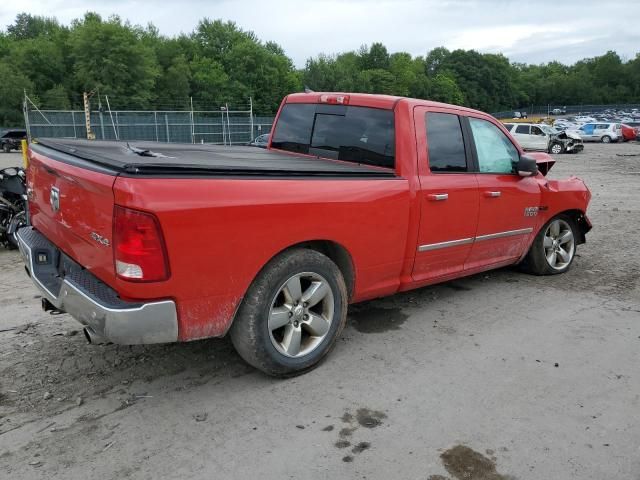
(522, 135)
(508, 203)
(448, 194)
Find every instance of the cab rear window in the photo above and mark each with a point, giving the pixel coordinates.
(348, 133)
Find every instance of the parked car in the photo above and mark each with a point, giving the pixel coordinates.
(12, 139)
(545, 138)
(629, 132)
(559, 111)
(635, 125)
(584, 118)
(600, 132)
(261, 141)
(353, 200)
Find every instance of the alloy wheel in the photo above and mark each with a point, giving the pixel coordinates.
(301, 314)
(559, 244)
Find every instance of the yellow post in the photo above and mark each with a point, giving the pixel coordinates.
(25, 157)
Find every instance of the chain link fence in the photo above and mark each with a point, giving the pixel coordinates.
(224, 127)
(547, 110)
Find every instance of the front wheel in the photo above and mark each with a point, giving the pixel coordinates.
(554, 248)
(6, 148)
(556, 148)
(292, 314)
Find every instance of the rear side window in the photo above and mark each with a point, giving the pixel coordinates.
(522, 129)
(445, 144)
(352, 134)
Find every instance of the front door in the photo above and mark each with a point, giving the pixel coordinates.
(539, 139)
(448, 195)
(508, 203)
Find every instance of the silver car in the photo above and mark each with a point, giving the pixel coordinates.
(600, 132)
(538, 136)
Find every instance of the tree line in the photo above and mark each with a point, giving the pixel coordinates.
(219, 62)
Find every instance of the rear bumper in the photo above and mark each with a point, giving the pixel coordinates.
(76, 291)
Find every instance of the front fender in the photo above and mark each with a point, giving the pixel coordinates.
(568, 195)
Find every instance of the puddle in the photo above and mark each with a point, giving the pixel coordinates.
(361, 447)
(463, 463)
(364, 417)
(370, 319)
(369, 418)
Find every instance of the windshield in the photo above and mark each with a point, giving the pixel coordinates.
(352, 134)
(549, 130)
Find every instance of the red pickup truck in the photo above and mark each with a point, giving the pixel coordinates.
(358, 196)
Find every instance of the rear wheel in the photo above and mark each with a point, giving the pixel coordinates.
(606, 139)
(6, 148)
(554, 248)
(292, 314)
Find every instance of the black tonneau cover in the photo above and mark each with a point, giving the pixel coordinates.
(156, 158)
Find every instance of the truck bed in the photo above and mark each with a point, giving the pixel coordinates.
(155, 158)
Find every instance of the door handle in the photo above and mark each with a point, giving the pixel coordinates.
(437, 197)
(492, 194)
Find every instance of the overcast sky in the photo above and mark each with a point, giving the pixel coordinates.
(531, 31)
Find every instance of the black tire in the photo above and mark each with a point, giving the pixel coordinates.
(250, 333)
(554, 146)
(6, 148)
(605, 139)
(536, 262)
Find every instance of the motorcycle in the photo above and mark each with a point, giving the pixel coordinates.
(13, 205)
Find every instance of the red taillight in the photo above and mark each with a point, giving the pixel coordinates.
(139, 253)
(335, 99)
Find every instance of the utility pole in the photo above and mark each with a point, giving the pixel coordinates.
(87, 115)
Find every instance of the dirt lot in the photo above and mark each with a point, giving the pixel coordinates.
(496, 376)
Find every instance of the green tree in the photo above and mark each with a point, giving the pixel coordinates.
(110, 56)
(12, 89)
(445, 89)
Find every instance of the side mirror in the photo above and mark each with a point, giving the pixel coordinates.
(527, 166)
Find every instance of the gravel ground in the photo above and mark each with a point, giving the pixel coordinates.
(495, 376)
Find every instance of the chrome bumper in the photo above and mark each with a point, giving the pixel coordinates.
(93, 303)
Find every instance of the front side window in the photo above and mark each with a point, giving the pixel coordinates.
(536, 131)
(445, 144)
(496, 154)
(349, 133)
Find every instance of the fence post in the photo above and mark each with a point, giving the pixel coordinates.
(166, 122)
(155, 123)
(251, 117)
(193, 130)
(73, 121)
(25, 110)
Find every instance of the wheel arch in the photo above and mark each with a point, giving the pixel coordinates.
(338, 255)
(580, 219)
(336, 252)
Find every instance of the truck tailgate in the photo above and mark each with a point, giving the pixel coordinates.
(72, 205)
